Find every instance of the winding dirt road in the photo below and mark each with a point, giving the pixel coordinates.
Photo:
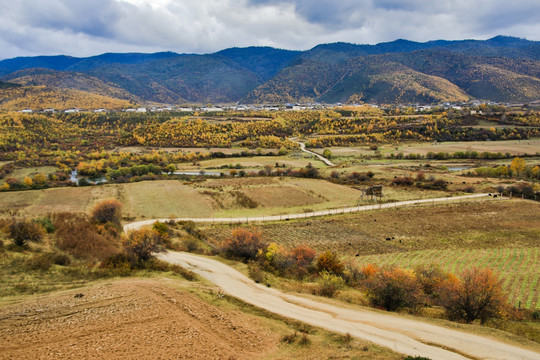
(320, 157)
(238, 220)
(407, 336)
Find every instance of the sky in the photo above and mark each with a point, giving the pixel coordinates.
(91, 27)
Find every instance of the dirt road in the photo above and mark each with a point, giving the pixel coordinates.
(139, 224)
(320, 157)
(407, 336)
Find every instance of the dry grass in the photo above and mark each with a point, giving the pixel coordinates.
(155, 199)
(529, 146)
(254, 163)
(20, 174)
(476, 225)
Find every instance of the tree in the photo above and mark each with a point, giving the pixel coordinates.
(141, 245)
(327, 154)
(329, 261)
(476, 295)
(517, 166)
(27, 181)
(244, 244)
(107, 211)
(24, 231)
(394, 289)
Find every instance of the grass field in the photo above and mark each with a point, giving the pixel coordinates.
(227, 197)
(515, 147)
(294, 160)
(518, 267)
(20, 174)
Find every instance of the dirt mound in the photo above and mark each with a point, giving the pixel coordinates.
(137, 319)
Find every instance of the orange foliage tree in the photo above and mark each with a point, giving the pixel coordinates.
(477, 294)
(244, 244)
(394, 289)
(330, 262)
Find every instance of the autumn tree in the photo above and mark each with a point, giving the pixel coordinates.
(393, 289)
(477, 294)
(107, 211)
(141, 245)
(517, 166)
(244, 244)
(330, 262)
(24, 231)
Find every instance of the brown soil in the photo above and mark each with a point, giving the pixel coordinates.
(132, 318)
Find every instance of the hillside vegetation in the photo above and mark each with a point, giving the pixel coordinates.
(500, 69)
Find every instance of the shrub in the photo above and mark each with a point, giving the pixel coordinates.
(403, 181)
(190, 244)
(329, 284)
(277, 258)
(78, 236)
(431, 278)
(119, 263)
(394, 289)
(140, 245)
(24, 231)
(303, 257)
(243, 244)
(44, 261)
(161, 228)
(46, 223)
(476, 295)
(185, 273)
(329, 261)
(256, 273)
(107, 211)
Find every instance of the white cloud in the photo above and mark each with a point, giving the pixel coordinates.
(89, 27)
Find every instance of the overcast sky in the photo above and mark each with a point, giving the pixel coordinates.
(91, 27)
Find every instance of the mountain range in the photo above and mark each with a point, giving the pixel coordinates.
(504, 69)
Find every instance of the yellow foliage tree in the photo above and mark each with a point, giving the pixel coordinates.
(28, 181)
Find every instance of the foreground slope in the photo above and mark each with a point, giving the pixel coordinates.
(407, 336)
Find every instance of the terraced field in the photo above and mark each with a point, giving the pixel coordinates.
(518, 267)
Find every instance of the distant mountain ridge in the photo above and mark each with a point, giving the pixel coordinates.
(503, 69)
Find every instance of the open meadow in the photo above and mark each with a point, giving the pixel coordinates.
(514, 147)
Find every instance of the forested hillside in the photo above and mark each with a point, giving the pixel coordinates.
(504, 69)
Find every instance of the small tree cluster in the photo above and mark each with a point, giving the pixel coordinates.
(23, 231)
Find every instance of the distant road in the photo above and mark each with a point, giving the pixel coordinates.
(320, 157)
(238, 220)
(404, 335)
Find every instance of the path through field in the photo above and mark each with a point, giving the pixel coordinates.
(139, 224)
(320, 157)
(407, 336)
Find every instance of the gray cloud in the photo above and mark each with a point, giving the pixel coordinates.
(87, 27)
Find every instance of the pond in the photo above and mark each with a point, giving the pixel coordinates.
(459, 168)
(74, 178)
